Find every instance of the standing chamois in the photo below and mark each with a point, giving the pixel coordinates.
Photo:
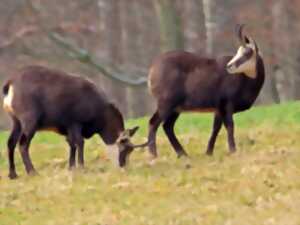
(38, 98)
(181, 81)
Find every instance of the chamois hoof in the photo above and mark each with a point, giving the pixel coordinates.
(153, 155)
(209, 153)
(186, 160)
(72, 168)
(182, 155)
(13, 175)
(33, 173)
(152, 161)
(81, 167)
(232, 151)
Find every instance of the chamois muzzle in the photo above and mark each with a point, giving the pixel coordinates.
(229, 66)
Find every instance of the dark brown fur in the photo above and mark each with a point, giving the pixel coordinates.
(182, 81)
(46, 99)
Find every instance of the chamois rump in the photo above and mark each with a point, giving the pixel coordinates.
(39, 98)
(181, 81)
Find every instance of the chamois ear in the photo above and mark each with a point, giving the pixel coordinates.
(132, 131)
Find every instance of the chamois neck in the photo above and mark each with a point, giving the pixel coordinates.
(260, 68)
(252, 73)
(257, 70)
(114, 125)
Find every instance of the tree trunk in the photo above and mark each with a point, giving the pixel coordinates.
(170, 25)
(269, 93)
(132, 49)
(294, 55)
(219, 25)
(282, 47)
(112, 46)
(193, 21)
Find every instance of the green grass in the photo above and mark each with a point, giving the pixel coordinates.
(258, 185)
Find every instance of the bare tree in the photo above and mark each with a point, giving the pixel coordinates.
(170, 25)
(133, 56)
(193, 23)
(112, 46)
(218, 16)
(282, 44)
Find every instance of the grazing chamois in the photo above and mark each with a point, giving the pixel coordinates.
(181, 81)
(39, 98)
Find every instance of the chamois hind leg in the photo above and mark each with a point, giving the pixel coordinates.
(80, 144)
(28, 131)
(218, 120)
(164, 110)
(72, 156)
(75, 141)
(169, 130)
(154, 123)
(11, 145)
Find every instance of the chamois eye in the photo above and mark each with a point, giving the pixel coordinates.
(248, 52)
(123, 141)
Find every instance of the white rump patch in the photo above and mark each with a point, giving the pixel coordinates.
(7, 102)
(113, 154)
(149, 83)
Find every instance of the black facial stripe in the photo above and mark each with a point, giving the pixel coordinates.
(247, 55)
(123, 156)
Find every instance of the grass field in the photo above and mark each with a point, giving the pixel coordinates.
(258, 185)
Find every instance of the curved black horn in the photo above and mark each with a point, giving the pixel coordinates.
(140, 145)
(253, 42)
(239, 32)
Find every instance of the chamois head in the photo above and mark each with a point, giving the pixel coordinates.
(244, 60)
(119, 152)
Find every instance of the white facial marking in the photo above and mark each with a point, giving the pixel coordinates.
(238, 55)
(122, 136)
(7, 102)
(113, 154)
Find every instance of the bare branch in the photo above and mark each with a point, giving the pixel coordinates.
(19, 35)
(83, 56)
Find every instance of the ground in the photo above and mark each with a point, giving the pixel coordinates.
(258, 185)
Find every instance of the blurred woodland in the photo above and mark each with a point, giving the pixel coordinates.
(114, 41)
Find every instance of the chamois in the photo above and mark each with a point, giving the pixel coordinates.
(181, 81)
(38, 98)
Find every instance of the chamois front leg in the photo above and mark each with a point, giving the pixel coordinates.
(218, 120)
(72, 162)
(80, 144)
(229, 124)
(76, 142)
